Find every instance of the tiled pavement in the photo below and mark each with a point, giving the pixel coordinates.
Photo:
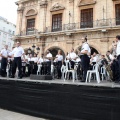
(8, 115)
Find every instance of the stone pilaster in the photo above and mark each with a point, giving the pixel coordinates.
(19, 20)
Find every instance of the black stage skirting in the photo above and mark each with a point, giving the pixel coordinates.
(60, 101)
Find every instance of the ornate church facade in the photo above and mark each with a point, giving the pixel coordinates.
(62, 24)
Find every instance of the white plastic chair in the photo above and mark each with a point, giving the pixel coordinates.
(17, 72)
(39, 69)
(52, 69)
(103, 72)
(63, 69)
(73, 71)
(7, 70)
(94, 71)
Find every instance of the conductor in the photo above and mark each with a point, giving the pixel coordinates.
(17, 52)
(85, 60)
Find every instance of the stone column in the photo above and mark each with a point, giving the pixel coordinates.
(19, 20)
(43, 5)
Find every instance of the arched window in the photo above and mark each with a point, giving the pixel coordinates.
(30, 19)
(57, 17)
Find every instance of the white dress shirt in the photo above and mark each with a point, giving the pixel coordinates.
(72, 56)
(35, 59)
(17, 52)
(29, 59)
(41, 60)
(0, 58)
(111, 57)
(78, 59)
(48, 55)
(4, 52)
(85, 47)
(118, 48)
(94, 59)
(59, 57)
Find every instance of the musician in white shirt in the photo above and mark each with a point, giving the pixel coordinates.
(93, 59)
(42, 62)
(4, 55)
(48, 58)
(35, 59)
(59, 60)
(30, 64)
(111, 57)
(17, 52)
(72, 58)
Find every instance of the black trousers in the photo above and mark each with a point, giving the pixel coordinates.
(48, 67)
(3, 66)
(59, 65)
(17, 63)
(118, 58)
(85, 60)
(23, 70)
(72, 64)
(44, 68)
(10, 68)
(115, 70)
(35, 69)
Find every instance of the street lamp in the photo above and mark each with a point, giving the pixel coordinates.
(31, 51)
(33, 47)
(38, 50)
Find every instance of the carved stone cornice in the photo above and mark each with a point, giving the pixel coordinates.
(104, 40)
(57, 7)
(43, 3)
(86, 2)
(71, 1)
(20, 9)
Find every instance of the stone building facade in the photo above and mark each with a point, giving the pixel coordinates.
(61, 24)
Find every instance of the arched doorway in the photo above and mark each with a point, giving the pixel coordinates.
(92, 50)
(54, 51)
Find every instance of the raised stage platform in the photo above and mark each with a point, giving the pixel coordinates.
(59, 100)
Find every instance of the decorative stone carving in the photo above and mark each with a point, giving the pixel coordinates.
(104, 40)
(71, 1)
(20, 9)
(86, 2)
(43, 3)
(31, 12)
(57, 7)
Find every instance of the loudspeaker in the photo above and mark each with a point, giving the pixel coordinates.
(41, 77)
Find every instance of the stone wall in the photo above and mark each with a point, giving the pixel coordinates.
(99, 38)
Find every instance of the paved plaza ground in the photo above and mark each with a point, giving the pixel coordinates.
(8, 115)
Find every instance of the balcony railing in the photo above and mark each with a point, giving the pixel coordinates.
(103, 23)
(29, 31)
(86, 25)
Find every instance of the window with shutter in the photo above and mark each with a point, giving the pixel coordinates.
(30, 26)
(57, 22)
(117, 12)
(86, 18)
